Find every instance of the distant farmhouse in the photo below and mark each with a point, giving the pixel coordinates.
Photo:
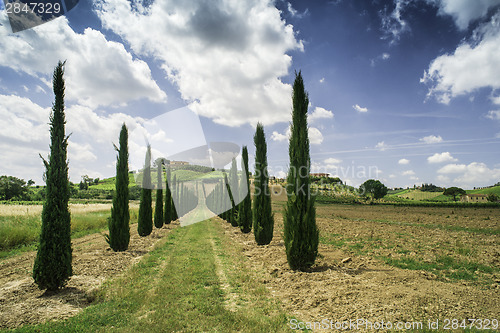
(178, 163)
(320, 175)
(474, 198)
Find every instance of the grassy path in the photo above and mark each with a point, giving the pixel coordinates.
(194, 281)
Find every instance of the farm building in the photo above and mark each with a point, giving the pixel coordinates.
(320, 175)
(474, 198)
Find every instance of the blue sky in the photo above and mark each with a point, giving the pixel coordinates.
(405, 91)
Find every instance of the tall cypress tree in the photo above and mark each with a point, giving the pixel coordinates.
(301, 234)
(167, 211)
(263, 217)
(159, 196)
(145, 220)
(118, 224)
(52, 267)
(245, 211)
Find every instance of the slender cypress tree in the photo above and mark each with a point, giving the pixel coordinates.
(301, 234)
(263, 217)
(234, 181)
(145, 220)
(52, 267)
(159, 197)
(245, 211)
(167, 212)
(118, 224)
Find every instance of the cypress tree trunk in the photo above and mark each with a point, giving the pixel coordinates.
(263, 217)
(245, 211)
(52, 267)
(159, 198)
(145, 220)
(167, 212)
(301, 234)
(118, 224)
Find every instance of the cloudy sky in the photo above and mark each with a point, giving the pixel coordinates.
(406, 91)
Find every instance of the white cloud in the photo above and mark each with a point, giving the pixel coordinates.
(320, 113)
(472, 66)
(112, 77)
(464, 11)
(381, 145)
(443, 179)
(431, 139)
(478, 174)
(217, 53)
(408, 173)
(393, 25)
(278, 136)
(441, 158)
(495, 115)
(452, 168)
(80, 152)
(495, 100)
(404, 161)
(332, 161)
(322, 80)
(359, 108)
(497, 136)
(315, 136)
(385, 56)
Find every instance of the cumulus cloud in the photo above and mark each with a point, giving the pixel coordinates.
(431, 139)
(441, 158)
(472, 66)
(475, 173)
(404, 161)
(359, 108)
(333, 161)
(112, 77)
(408, 173)
(320, 113)
(464, 11)
(217, 53)
(315, 136)
(322, 80)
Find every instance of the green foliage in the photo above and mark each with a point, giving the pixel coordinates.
(301, 235)
(145, 222)
(119, 230)
(159, 197)
(13, 188)
(454, 192)
(430, 188)
(245, 209)
(492, 197)
(263, 217)
(52, 267)
(167, 210)
(374, 188)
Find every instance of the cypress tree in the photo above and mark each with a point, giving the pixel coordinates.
(159, 197)
(301, 234)
(167, 211)
(263, 217)
(52, 267)
(118, 224)
(145, 220)
(245, 211)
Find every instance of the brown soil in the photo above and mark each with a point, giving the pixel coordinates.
(21, 302)
(343, 285)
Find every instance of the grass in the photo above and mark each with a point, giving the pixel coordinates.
(20, 233)
(176, 287)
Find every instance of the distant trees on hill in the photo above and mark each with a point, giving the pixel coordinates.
(431, 188)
